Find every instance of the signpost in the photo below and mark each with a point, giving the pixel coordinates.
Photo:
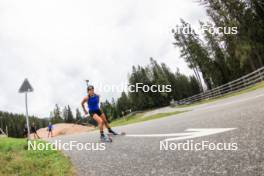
(26, 88)
(87, 82)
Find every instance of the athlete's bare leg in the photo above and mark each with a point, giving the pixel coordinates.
(107, 124)
(99, 121)
(105, 121)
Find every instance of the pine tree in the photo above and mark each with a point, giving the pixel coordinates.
(57, 118)
(70, 115)
(78, 115)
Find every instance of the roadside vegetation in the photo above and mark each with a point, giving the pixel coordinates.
(16, 159)
(139, 117)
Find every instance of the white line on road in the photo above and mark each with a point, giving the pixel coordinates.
(191, 133)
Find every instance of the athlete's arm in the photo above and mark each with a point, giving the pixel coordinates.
(85, 99)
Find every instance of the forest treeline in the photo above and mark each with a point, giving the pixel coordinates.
(182, 86)
(14, 124)
(222, 57)
(156, 74)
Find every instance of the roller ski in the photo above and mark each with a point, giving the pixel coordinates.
(106, 138)
(113, 133)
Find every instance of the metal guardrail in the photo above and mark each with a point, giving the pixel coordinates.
(233, 86)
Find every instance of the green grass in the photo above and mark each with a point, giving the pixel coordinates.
(16, 159)
(249, 89)
(140, 118)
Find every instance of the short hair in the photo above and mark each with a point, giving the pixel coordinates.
(90, 87)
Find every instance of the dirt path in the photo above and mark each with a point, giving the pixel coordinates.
(64, 129)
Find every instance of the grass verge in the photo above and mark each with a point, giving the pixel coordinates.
(16, 159)
(140, 118)
(249, 89)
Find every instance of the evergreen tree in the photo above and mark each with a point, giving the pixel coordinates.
(65, 114)
(78, 115)
(70, 115)
(57, 118)
(15, 123)
(155, 74)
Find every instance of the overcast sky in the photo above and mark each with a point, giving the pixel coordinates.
(57, 44)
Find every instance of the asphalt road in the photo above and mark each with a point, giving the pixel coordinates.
(142, 156)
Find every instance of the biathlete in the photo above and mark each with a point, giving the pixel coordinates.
(49, 129)
(34, 131)
(95, 112)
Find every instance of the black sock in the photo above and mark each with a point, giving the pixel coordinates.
(102, 133)
(111, 131)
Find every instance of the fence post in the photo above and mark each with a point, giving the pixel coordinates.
(6, 131)
(230, 87)
(261, 76)
(244, 83)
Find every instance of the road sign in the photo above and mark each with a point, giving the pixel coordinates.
(25, 88)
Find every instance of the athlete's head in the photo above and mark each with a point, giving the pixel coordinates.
(90, 90)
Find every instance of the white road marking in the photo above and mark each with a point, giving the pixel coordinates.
(190, 133)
